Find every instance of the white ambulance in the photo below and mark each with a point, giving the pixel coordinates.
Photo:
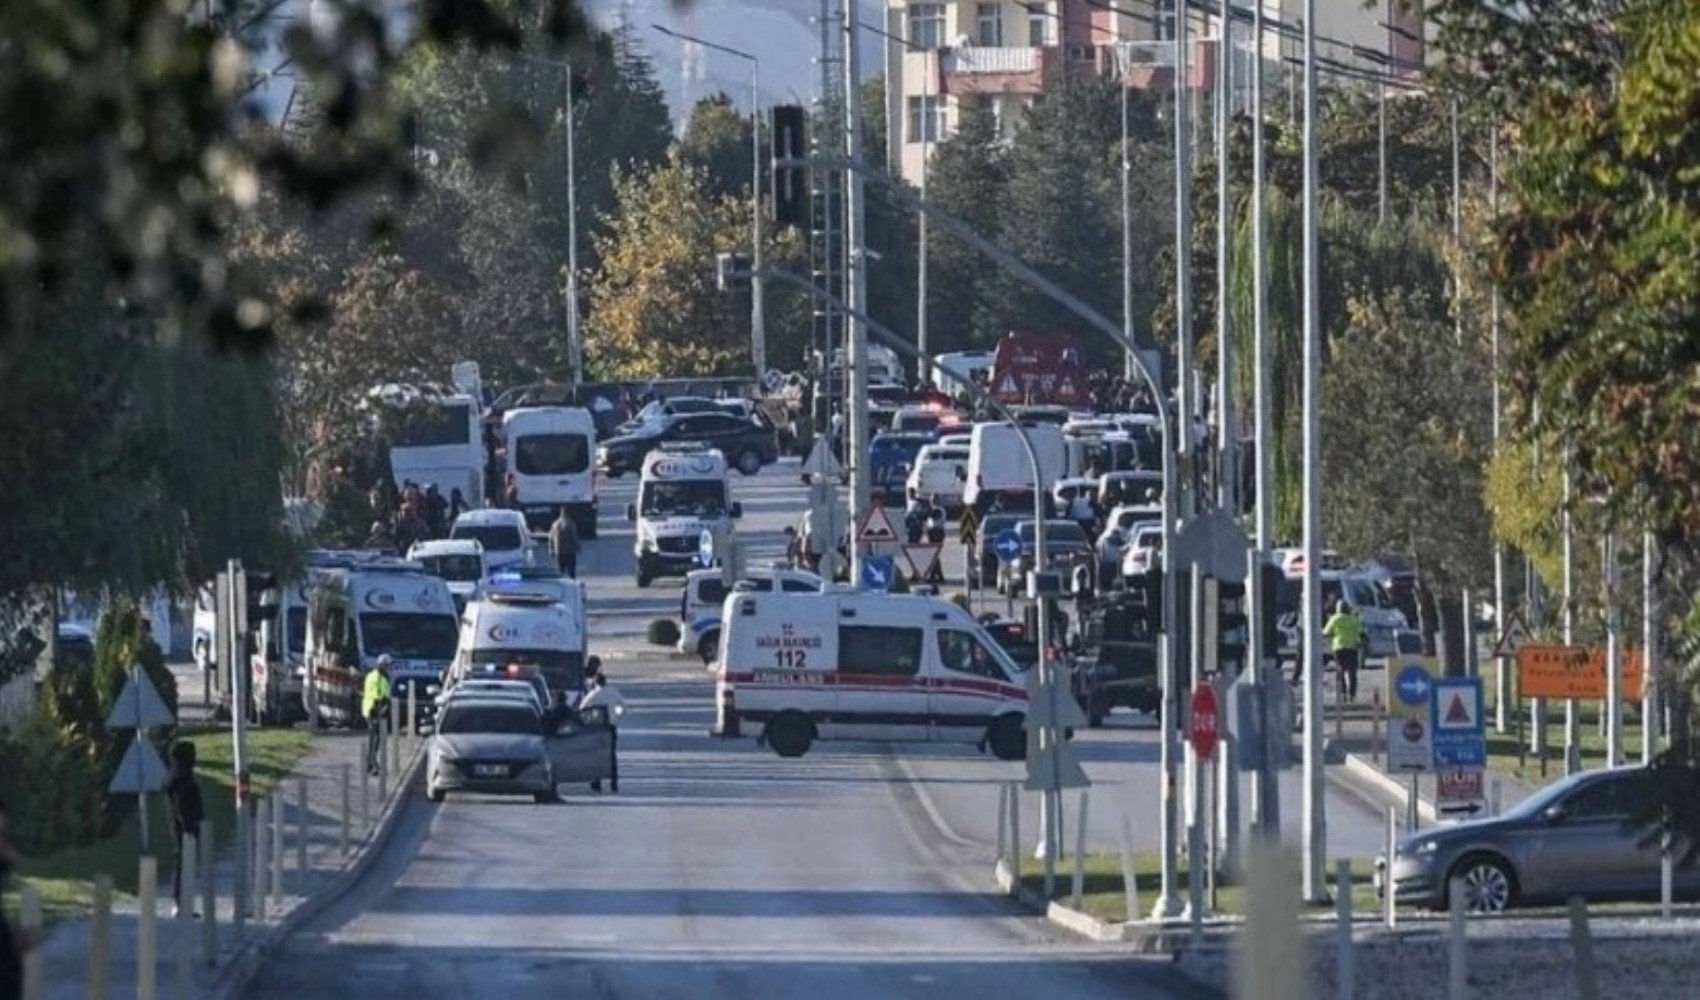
(846, 665)
(527, 628)
(372, 607)
(682, 493)
(549, 450)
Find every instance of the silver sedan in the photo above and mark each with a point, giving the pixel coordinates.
(1578, 836)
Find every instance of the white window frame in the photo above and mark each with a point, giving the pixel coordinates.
(924, 116)
(988, 15)
(925, 24)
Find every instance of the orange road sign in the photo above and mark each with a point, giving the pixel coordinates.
(1557, 671)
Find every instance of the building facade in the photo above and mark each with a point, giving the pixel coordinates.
(939, 53)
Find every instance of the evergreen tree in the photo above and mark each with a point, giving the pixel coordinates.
(968, 178)
(717, 142)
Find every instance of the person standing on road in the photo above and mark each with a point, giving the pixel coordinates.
(14, 944)
(794, 556)
(1345, 632)
(375, 708)
(184, 794)
(563, 543)
(606, 697)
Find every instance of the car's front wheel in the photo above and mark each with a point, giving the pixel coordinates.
(1488, 882)
(708, 647)
(749, 463)
(1008, 738)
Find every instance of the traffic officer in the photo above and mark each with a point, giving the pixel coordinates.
(1345, 632)
(374, 707)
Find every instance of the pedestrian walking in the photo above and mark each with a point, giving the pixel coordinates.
(1345, 632)
(184, 793)
(563, 543)
(605, 696)
(457, 505)
(510, 493)
(375, 709)
(795, 558)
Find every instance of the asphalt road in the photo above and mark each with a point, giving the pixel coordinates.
(720, 869)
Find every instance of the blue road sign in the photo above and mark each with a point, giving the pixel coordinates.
(1007, 545)
(878, 572)
(705, 548)
(1456, 721)
(1413, 685)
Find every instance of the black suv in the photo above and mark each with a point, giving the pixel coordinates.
(746, 444)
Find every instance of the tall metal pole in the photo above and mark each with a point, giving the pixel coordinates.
(575, 342)
(1123, 56)
(1614, 652)
(1184, 361)
(1572, 717)
(1503, 705)
(758, 297)
(923, 373)
(1266, 803)
(1650, 714)
(1457, 228)
(856, 406)
(1381, 119)
(1315, 830)
(1227, 465)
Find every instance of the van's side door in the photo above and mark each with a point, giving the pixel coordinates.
(878, 690)
(967, 686)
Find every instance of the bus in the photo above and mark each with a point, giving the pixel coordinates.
(434, 437)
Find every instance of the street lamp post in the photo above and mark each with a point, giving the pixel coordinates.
(758, 304)
(575, 343)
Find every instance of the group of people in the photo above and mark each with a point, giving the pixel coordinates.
(415, 515)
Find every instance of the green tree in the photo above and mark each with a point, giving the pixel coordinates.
(717, 142)
(967, 178)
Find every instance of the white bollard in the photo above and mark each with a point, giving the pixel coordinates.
(100, 939)
(1389, 901)
(262, 840)
(147, 930)
(186, 915)
(1003, 822)
(301, 814)
(412, 715)
(342, 833)
(1015, 833)
(1079, 885)
(1457, 976)
(1345, 973)
(1665, 878)
(365, 800)
(1269, 960)
(394, 739)
(209, 893)
(1130, 875)
(1587, 979)
(29, 919)
(279, 800)
(1493, 798)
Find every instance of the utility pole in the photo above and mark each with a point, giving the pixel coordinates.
(1129, 362)
(575, 342)
(826, 244)
(1184, 360)
(1572, 717)
(1502, 676)
(1457, 229)
(856, 406)
(1266, 801)
(1227, 465)
(1614, 651)
(1650, 714)
(1381, 120)
(1310, 629)
(929, 120)
(758, 296)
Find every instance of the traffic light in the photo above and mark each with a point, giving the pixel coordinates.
(263, 597)
(790, 180)
(1233, 626)
(1269, 578)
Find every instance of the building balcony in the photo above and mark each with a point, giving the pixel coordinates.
(1000, 70)
(1151, 64)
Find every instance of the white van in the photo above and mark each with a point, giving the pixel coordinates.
(998, 465)
(358, 613)
(503, 534)
(529, 630)
(939, 470)
(279, 661)
(1383, 622)
(549, 450)
(705, 594)
(682, 492)
(844, 665)
(953, 371)
(458, 562)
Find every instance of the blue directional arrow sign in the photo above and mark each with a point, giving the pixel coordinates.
(1413, 685)
(1007, 545)
(878, 572)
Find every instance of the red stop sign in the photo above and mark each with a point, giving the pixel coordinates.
(1206, 721)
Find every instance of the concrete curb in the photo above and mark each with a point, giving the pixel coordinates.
(234, 979)
(1387, 789)
(1147, 937)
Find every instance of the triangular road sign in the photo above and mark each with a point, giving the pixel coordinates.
(876, 527)
(822, 462)
(922, 560)
(1009, 385)
(1515, 635)
(1049, 705)
(1055, 768)
(139, 705)
(1458, 713)
(141, 770)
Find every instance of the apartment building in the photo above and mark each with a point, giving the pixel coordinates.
(1007, 52)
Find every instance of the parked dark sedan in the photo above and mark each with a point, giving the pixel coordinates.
(746, 444)
(1574, 837)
